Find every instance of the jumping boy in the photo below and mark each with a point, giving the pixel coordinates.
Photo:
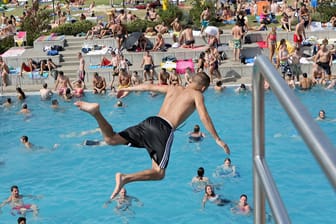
(156, 133)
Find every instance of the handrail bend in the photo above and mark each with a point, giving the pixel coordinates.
(318, 143)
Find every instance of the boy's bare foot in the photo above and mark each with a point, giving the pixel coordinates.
(119, 184)
(91, 108)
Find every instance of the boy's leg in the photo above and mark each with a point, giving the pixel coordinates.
(110, 137)
(156, 173)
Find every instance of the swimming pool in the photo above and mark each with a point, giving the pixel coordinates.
(76, 180)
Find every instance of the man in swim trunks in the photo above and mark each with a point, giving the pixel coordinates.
(62, 83)
(148, 63)
(81, 67)
(187, 37)
(177, 28)
(16, 201)
(299, 34)
(323, 59)
(205, 18)
(156, 133)
(237, 34)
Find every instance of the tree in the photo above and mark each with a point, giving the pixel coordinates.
(36, 23)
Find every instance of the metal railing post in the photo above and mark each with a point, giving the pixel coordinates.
(258, 134)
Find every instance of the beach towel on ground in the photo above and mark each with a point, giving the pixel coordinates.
(182, 65)
(37, 75)
(168, 65)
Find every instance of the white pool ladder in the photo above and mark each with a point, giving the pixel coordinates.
(318, 143)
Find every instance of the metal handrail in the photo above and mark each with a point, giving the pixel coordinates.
(318, 143)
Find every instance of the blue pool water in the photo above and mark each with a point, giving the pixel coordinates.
(76, 180)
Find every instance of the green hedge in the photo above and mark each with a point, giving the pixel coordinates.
(325, 12)
(6, 43)
(73, 28)
(139, 25)
(170, 14)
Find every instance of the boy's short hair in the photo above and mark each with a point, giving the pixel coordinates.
(202, 79)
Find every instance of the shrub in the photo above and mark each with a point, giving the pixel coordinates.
(73, 28)
(326, 11)
(197, 10)
(6, 43)
(170, 14)
(139, 25)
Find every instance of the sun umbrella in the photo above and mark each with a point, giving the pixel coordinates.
(131, 40)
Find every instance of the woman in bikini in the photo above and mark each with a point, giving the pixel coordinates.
(99, 84)
(78, 88)
(174, 78)
(201, 62)
(271, 42)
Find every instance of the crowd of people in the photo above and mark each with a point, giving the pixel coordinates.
(298, 14)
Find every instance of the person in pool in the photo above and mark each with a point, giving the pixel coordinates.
(119, 104)
(21, 220)
(196, 135)
(321, 115)
(16, 201)
(242, 88)
(211, 196)
(124, 201)
(157, 132)
(242, 206)
(24, 109)
(24, 140)
(198, 182)
(226, 169)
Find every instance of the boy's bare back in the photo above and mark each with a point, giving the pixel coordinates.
(179, 104)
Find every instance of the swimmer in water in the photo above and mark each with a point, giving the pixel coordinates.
(200, 181)
(226, 169)
(119, 104)
(24, 109)
(196, 135)
(16, 201)
(124, 202)
(211, 196)
(242, 206)
(321, 115)
(24, 140)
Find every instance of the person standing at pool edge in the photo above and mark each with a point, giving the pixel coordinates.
(156, 133)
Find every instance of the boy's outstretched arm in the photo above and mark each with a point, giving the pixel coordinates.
(144, 87)
(206, 120)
